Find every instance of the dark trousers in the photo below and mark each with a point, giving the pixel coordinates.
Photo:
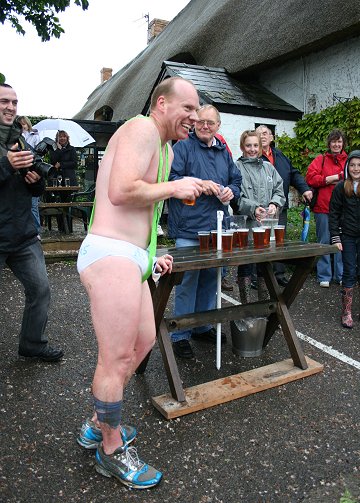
(351, 259)
(28, 265)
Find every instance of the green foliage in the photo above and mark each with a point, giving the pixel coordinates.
(2, 78)
(311, 133)
(295, 225)
(347, 498)
(39, 13)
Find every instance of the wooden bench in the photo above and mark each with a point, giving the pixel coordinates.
(61, 209)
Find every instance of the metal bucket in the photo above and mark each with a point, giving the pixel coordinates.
(248, 336)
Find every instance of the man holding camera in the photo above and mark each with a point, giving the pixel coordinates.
(20, 247)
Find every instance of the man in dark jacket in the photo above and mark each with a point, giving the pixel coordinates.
(20, 247)
(202, 156)
(290, 176)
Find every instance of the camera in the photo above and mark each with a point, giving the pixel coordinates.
(39, 166)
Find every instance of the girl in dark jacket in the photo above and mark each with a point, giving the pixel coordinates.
(344, 224)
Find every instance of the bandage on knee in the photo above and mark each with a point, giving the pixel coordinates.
(108, 412)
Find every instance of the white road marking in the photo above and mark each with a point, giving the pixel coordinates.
(326, 349)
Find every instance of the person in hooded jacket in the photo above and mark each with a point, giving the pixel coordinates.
(203, 156)
(344, 224)
(262, 187)
(291, 178)
(323, 174)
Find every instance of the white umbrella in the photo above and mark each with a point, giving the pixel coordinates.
(78, 136)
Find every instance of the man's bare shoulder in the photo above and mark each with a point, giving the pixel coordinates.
(137, 128)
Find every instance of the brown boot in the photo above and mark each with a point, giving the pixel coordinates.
(244, 289)
(347, 298)
(263, 293)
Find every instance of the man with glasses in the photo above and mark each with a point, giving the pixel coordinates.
(290, 176)
(202, 156)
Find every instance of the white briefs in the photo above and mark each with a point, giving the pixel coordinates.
(95, 247)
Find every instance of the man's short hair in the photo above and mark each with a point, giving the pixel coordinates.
(245, 135)
(211, 107)
(5, 85)
(262, 126)
(165, 88)
(336, 134)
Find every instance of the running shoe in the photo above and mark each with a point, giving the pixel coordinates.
(125, 465)
(91, 436)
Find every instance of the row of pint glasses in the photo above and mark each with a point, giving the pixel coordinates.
(238, 235)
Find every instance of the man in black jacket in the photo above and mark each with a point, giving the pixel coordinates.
(290, 176)
(20, 247)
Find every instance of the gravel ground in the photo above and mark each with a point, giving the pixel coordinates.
(295, 443)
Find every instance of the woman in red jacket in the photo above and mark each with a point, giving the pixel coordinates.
(323, 174)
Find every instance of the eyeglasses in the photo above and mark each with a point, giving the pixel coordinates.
(202, 123)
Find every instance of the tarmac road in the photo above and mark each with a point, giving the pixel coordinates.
(295, 443)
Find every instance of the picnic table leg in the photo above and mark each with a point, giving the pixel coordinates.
(160, 297)
(65, 221)
(282, 314)
(171, 368)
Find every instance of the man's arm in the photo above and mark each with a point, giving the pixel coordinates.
(132, 151)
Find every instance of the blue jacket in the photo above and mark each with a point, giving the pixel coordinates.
(194, 158)
(288, 173)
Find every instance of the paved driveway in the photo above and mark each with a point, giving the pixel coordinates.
(295, 443)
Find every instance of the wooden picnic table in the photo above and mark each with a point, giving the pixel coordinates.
(69, 188)
(61, 209)
(301, 255)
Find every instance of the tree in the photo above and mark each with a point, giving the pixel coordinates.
(39, 13)
(311, 132)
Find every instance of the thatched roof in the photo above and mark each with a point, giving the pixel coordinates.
(242, 37)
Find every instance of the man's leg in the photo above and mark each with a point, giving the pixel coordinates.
(90, 435)
(125, 331)
(28, 265)
(116, 319)
(35, 212)
(205, 295)
(185, 293)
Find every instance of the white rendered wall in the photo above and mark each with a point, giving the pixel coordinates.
(233, 125)
(309, 83)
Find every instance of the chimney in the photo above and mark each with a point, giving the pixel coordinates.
(106, 74)
(156, 26)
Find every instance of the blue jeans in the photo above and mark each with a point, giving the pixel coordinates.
(28, 265)
(323, 266)
(197, 292)
(35, 212)
(351, 259)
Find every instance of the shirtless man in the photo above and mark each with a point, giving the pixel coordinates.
(114, 262)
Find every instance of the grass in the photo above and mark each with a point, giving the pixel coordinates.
(347, 498)
(295, 225)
